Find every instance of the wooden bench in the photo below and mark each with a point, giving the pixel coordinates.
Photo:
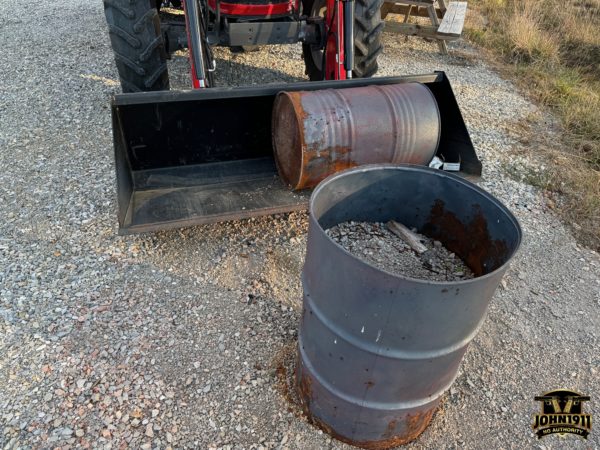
(449, 28)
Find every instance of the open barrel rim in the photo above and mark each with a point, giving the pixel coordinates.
(427, 171)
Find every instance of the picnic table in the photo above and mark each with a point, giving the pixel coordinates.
(447, 19)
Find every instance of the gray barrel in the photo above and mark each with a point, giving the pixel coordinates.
(318, 133)
(377, 351)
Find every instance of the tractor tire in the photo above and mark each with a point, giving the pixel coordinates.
(368, 27)
(137, 42)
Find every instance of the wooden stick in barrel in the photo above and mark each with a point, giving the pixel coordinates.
(407, 236)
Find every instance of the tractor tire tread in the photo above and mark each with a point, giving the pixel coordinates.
(147, 52)
(121, 7)
(360, 49)
(367, 37)
(373, 56)
(368, 27)
(138, 45)
(151, 79)
(363, 23)
(374, 34)
(373, 9)
(148, 17)
(131, 40)
(137, 68)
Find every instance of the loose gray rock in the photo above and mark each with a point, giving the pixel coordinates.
(377, 245)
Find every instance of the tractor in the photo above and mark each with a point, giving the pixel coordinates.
(340, 39)
(207, 154)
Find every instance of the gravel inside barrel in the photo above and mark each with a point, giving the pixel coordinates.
(376, 244)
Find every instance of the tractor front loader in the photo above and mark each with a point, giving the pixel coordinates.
(340, 38)
(207, 155)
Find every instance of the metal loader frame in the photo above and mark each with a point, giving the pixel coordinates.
(250, 25)
(203, 156)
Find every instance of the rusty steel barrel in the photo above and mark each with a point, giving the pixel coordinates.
(319, 133)
(377, 351)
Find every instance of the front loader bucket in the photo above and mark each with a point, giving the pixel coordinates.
(193, 157)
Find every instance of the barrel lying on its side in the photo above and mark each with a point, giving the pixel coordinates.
(319, 133)
(378, 350)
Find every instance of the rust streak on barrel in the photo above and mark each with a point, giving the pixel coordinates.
(413, 426)
(471, 240)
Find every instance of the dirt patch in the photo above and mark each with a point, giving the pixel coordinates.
(284, 365)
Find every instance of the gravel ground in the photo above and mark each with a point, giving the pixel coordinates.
(376, 244)
(179, 338)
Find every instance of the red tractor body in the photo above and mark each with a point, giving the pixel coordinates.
(264, 9)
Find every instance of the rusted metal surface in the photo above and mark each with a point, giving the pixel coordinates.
(377, 351)
(402, 428)
(316, 134)
(472, 240)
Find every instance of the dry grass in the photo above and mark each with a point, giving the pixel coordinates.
(552, 49)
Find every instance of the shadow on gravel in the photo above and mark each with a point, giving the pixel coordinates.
(232, 73)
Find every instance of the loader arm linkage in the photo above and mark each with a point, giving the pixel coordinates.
(334, 32)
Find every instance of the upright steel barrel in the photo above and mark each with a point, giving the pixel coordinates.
(319, 133)
(376, 350)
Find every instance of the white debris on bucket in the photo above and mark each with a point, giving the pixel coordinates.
(436, 163)
(439, 163)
